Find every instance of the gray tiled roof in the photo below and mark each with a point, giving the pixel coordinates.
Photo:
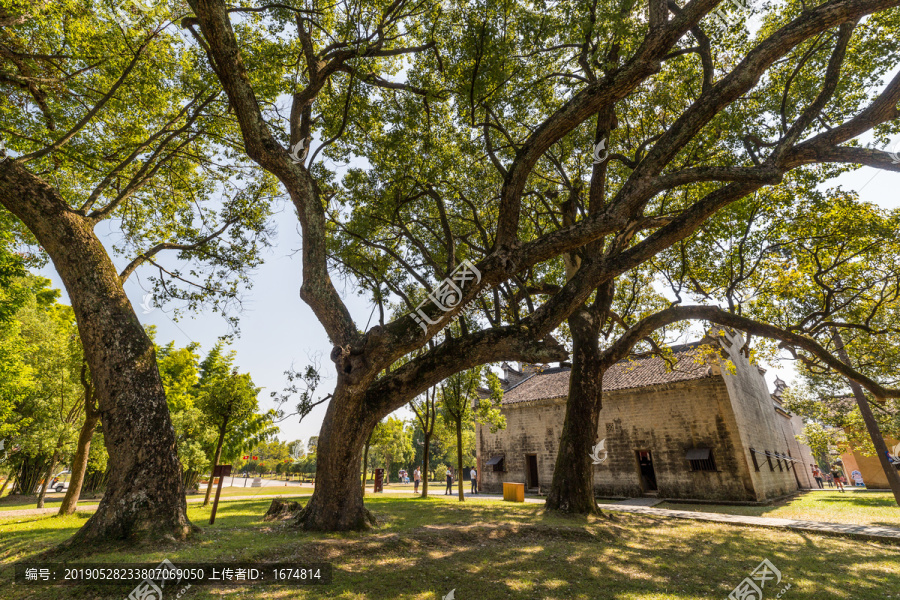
(627, 374)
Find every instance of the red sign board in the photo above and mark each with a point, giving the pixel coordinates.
(221, 470)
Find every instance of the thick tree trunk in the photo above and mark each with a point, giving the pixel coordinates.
(425, 464)
(145, 493)
(881, 448)
(79, 463)
(459, 460)
(218, 455)
(572, 487)
(47, 475)
(337, 501)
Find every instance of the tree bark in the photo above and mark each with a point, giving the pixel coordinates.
(145, 493)
(572, 487)
(459, 460)
(337, 501)
(881, 448)
(218, 455)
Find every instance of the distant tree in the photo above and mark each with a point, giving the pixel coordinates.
(392, 441)
(425, 409)
(226, 400)
(50, 411)
(461, 402)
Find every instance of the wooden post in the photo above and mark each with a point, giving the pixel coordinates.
(220, 471)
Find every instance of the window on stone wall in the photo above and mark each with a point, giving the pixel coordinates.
(753, 456)
(769, 458)
(497, 463)
(778, 459)
(701, 459)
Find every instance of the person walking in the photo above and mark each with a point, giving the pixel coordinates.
(836, 474)
(474, 475)
(817, 475)
(417, 477)
(449, 489)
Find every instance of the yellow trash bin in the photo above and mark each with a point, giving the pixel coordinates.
(514, 492)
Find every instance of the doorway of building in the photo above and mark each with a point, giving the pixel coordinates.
(648, 475)
(531, 471)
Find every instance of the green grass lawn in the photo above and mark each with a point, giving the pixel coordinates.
(489, 550)
(861, 508)
(54, 500)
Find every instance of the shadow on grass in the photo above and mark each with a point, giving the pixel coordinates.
(424, 548)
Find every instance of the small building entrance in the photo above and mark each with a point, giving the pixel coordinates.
(531, 471)
(648, 475)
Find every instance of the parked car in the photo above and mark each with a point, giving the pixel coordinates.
(60, 483)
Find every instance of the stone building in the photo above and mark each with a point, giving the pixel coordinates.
(705, 427)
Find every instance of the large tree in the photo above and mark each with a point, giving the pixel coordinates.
(106, 122)
(505, 115)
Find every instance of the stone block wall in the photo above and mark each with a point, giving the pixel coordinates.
(756, 418)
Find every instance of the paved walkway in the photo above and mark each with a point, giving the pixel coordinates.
(872, 532)
(645, 501)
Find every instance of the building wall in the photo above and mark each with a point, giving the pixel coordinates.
(792, 427)
(728, 412)
(531, 428)
(668, 421)
(756, 423)
(869, 466)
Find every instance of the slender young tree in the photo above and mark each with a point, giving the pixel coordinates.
(461, 402)
(227, 400)
(82, 447)
(425, 407)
